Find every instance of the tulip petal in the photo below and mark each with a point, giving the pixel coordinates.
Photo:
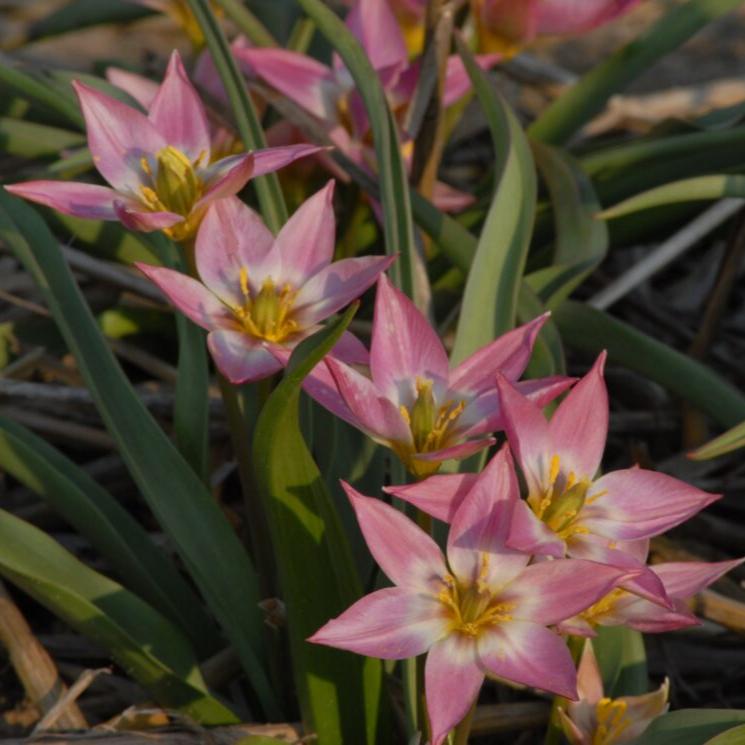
(530, 534)
(528, 653)
(81, 200)
(118, 137)
(392, 624)
(271, 159)
(457, 80)
(142, 89)
(351, 350)
(407, 555)
(456, 452)
(134, 217)
(240, 358)
(684, 579)
(178, 114)
(578, 16)
(374, 24)
(439, 496)
(449, 199)
(225, 178)
(321, 386)
(452, 681)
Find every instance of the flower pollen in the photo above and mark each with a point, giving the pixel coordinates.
(612, 721)
(267, 314)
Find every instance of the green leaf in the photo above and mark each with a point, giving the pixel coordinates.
(110, 529)
(548, 352)
(622, 660)
(593, 330)
(490, 299)
(29, 140)
(394, 189)
(732, 439)
(339, 692)
(690, 726)
(581, 239)
(734, 736)
(688, 190)
(188, 514)
(588, 97)
(147, 646)
(81, 14)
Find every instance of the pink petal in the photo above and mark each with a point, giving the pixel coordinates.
(142, 89)
(135, 217)
(240, 358)
(321, 386)
(509, 355)
(376, 415)
(452, 681)
(456, 452)
(530, 654)
(457, 81)
(579, 427)
(635, 503)
(404, 345)
(407, 555)
(271, 159)
(392, 624)
(118, 137)
(192, 298)
(578, 16)
(548, 592)
(685, 579)
(530, 534)
(439, 496)
(589, 679)
(374, 24)
(476, 548)
(647, 617)
(336, 286)
(449, 199)
(351, 350)
(225, 178)
(178, 114)
(69, 197)
(231, 237)
(303, 80)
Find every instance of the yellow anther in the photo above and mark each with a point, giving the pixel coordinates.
(243, 278)
(145, 165)
(612, 721)
(267, 315)
(554, 467)
(604, 606)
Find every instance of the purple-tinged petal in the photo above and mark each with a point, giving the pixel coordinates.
(476, 548)
(231, 238)
(509, 355)
(578, 16)
(684, 579)
(134, 217)
(456, 452)
(142, 89)
(336, 286)
(548, 592)
(457, 80)
(404, 346)
(225, 178)
(439, 496)
(118, 137)
(178, 114)
(192, 298)
(351, 350)
(452, 681)
(579, 427)
(374, 24)
(271, 159)
(449, 199)
(240, 358)
(392, 624)
(302, 79)
(576, 626)
(530, 534)
(321, 386)
(527, 653)
(69, 197)
(407, 555)
(376, 415)
(635, 503)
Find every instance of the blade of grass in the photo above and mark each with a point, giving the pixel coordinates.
(732, 439)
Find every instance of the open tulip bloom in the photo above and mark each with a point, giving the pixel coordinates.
(159, 166)
(259, 296)
(412, 401)
(480, 610)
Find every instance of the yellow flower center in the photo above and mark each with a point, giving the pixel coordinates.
(266, 315)
(604, 606)
(612, 721)
(431, 426)
(174, 187)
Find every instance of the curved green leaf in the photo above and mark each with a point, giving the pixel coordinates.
(29, 140)
(339, 692)
(734, 736)
(690, 726)
(732, 439)
(188, 514)
(248, 23)
(490, 299)
(147, 646)
(622, 660)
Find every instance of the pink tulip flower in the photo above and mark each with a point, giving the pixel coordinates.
(259, 296)
(329, 93)
(159, 166)
(506, 25)
(598, 720)
(479, 611)
(412, 401)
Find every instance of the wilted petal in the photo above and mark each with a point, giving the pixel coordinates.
(452, 681)
(178, 114)
(392, 624)
(225, 178)
(439, 496)
(71, 198)
(407, 555)
(240, 358)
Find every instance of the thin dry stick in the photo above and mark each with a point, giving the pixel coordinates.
(33, 665)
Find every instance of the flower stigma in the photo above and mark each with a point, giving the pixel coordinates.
(266, 315)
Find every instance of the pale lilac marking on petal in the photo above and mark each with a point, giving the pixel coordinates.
(178, 113)
(457, 80)
(439, 496)
(392, 624)
(240, 358)
(404, 346)
(69, 197)
(118, 137)
(452, 681)
(192, 298)
(374, 24)
(456, 452)
(527, 653)
(225, 178)
(684, 579)
(548, 592)
(530, 534)
(408, 556)
(231, 237)
(635, 503)
(271, 159)
(136, 217)
(142, 89)
(579, 427)
(336, 286)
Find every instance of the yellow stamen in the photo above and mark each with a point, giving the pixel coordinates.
(471, 609)
(268, 315)
(604, 606)
(612, 721)
(244, 282)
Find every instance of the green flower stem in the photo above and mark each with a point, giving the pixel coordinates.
(553, 734)
(461, 733)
